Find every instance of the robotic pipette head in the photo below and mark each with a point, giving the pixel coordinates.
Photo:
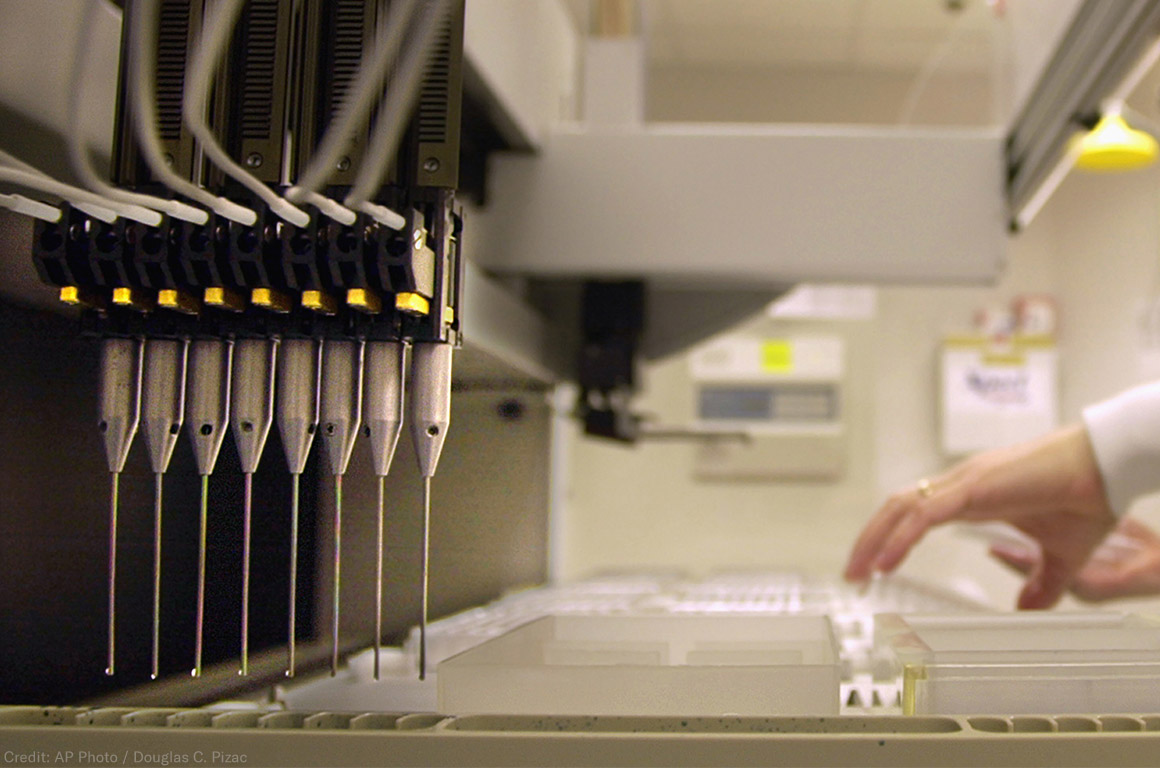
(207, 412)
(251, 414)
(162, 412)
(340, 415)
(163, 399)
(207, 402)
(383, 405)
(120, 398)
(429, 415)
(430, 403)
(120, 412)
(252, 406)
(299, 370)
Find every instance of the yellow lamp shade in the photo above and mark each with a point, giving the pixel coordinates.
(1113, 145)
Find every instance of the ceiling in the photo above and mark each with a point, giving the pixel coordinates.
(895, 36)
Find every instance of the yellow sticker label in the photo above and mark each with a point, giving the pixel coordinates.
(777, 356)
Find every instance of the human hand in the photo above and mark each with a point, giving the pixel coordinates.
(1126, 564)
(1049, 488)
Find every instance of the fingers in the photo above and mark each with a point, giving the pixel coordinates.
(860, 564)
(1098, 582)
(1129, 526)
(1018, 558)
(929, 511)
(1126, 564)
(1137, 532)
(899, 525)
(1095, 583)
(1048, 581)
(905, 535)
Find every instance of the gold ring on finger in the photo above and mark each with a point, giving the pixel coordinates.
(924, 488)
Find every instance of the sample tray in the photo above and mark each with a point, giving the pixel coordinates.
(649, 665)
(1025, 663)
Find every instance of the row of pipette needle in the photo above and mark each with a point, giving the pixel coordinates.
(339, 386)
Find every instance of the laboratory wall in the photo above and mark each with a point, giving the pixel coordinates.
(641, 506)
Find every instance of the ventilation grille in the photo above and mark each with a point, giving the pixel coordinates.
(172, 44)
(435, 96)
(347, 49)
(261, 48)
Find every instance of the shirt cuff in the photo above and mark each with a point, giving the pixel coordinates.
(1125, 437)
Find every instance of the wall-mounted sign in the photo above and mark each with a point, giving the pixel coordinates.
(993, 397)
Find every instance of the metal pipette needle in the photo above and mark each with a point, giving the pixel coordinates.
(246, 509)
(293, 572)
(337, 571)
(162, 415)
(297, 391)
(157, 483)
(384, 404)
(341, 414)
(207, 416)
(379, 582)
(430, 415)
(201, 575)
(110, 668)
(426, 576)
(120, 413)
(251, 416)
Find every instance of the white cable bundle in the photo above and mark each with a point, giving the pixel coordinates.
(79, 152)
(142, 89)
(14, 171)
(355, 110)
(393, 114)
(106, 202)
(221, 17)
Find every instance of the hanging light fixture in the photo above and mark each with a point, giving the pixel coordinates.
(1113, 145)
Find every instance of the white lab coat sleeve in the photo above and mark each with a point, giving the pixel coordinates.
(1125, 436)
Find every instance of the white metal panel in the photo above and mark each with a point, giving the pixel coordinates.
(508, 333)
(753, 205)
(527, 53)
(614, 81)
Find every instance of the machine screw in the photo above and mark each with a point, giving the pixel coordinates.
(343, 163)
(431, 164)
(254, 160)
(169, 159)
(510, 410)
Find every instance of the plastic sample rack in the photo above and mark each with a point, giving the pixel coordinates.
(655, 665)
(1022, 663)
